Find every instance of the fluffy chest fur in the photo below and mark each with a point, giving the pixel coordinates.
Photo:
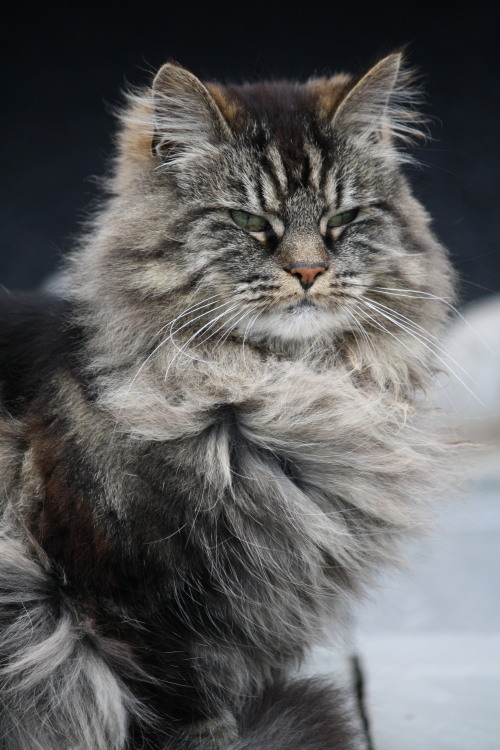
(290, 468)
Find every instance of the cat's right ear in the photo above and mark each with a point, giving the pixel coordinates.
(186, 118)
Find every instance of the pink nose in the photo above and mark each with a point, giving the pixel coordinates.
(307, 272)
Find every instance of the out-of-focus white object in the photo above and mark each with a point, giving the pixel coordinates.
(470, 391)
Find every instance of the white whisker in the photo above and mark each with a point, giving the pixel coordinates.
(358, 325)
(222, 327)
(393, 291)
(383, 328)
(192, 308)
(233, 326)
(182, 349)
(419, 339)
(246, 332)
(430, 338)
(189, 322)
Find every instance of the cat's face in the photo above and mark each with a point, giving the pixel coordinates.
(275, 211)
(288, 235)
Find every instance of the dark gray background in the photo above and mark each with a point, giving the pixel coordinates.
(62, 71)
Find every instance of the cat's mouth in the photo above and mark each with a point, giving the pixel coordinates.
(300, 319)
(305, 302)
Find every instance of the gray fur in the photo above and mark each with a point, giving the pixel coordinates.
(246, 455)
(57, 688)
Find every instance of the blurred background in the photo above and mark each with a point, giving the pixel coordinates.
(428, 647)
(63, 68)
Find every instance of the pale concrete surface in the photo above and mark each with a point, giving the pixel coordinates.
(433, 692)
(430, 648)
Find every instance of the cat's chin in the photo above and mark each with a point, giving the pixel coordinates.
(298, 322)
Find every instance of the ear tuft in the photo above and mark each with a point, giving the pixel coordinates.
(186, 117)
(383, 102)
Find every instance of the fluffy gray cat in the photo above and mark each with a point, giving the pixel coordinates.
(219, 434)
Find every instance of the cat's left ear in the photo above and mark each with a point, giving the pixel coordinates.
(381, 105)
(186, 116)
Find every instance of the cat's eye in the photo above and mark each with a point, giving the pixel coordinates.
(249, 222)
(338, 220)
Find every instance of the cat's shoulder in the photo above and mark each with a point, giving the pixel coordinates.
(37, 338)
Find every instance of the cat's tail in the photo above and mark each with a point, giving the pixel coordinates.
(56, 688)
(306, 714)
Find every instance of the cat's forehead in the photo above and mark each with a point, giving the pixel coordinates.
(297, 184)
(287, 179)
(289, 154)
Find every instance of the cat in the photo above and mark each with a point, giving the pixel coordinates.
(218, 434)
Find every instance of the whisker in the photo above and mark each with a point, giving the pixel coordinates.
(242, 317)
(182, 349)
(417, 338)
(219, 329)
(448, 304)
(358, 325)
(383, 328)
(421, 294)
(189, 322)
(192, 308)
(434, 343)
(247, 331)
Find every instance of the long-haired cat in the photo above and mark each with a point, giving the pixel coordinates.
(218, 433)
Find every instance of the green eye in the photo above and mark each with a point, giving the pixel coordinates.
(249, 222)
(338, 220)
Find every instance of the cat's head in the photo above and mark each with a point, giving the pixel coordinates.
(272, 211)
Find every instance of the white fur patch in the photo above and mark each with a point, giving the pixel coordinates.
(297, 323)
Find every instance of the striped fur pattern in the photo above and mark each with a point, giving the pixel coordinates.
(204, 459)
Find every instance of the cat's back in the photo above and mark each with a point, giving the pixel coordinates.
(37, 340)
